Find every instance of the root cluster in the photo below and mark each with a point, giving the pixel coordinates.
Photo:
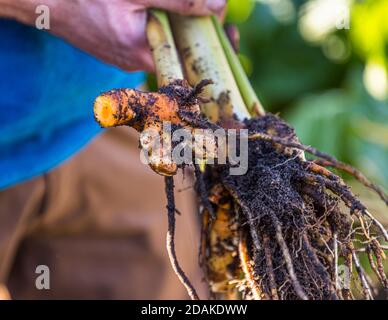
(287, 229)
(297, 222)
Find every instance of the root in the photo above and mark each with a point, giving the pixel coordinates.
(335, 264)
(365, 286)
(346, 292)
(271, 275)
(170, 240)
(219, 251)
(298, 230)
(202, 191)
(374, 267)
(253, 231)
(343, 192)
(175, 104)
(377, 249)
(288, 260)
(320, 268)
(247, 268)
(377, 223)
(356, 174)
(328, 160)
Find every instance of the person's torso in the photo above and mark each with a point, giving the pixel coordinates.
(47, 88)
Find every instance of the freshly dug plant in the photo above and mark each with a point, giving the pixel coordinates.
(281, 230)
(292, 226)
(176, 103)
(292, 231)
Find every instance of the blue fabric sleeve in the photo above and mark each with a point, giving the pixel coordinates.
(47, 89)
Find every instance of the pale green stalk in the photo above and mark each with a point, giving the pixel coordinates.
(250, 98)
(168, 67)
(203, 58)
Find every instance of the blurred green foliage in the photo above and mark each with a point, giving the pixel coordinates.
(239, 11)
(369, 33)
(324, 69)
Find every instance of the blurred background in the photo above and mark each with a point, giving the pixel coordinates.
(322, 65)
(324, 69)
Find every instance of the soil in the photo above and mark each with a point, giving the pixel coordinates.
(290, 214)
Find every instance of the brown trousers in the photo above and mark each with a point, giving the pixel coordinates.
(99, 223)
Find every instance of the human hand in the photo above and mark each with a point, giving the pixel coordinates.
(111, 30)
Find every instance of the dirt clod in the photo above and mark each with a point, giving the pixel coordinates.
(289, 210)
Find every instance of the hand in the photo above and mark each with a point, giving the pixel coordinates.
(111, 30)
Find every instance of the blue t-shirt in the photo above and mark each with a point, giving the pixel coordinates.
(47, 89)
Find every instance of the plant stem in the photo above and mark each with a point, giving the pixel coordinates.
(168, 67)
(203, 58)
(250, 98)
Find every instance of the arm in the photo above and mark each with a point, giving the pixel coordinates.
(21, 10)
(113, 31)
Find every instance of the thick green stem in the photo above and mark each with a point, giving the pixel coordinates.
(250, 98)
(203, 58)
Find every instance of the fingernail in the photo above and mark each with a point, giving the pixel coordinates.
(215, 5)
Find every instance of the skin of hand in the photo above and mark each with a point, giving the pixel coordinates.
(111, 30)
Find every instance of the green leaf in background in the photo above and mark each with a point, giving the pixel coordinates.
(322, 88)
(369, 28)
(239, 10)
(322, 120)
(285, 66)
(369, 34)
(348, 124)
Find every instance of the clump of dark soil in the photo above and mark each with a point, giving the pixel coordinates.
(296, 220)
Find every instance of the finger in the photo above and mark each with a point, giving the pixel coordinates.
(233, 36)
(4, 293)
(132, 52)
(146, 62)
(138, 60)
(187, 7)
